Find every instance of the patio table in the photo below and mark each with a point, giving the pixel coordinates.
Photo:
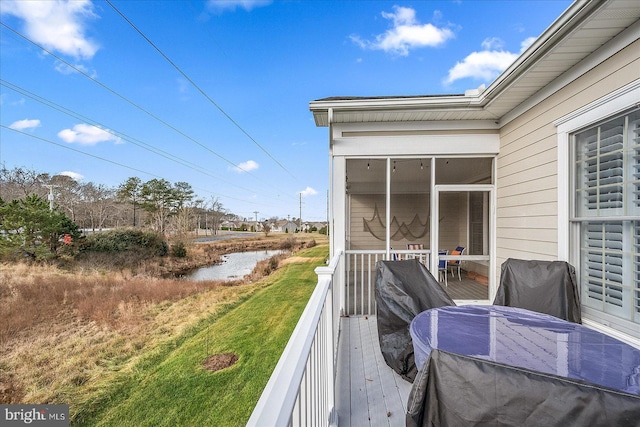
(499, 366)
(530, 340)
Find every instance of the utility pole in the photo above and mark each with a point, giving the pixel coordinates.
(300, 217)
(50, 186)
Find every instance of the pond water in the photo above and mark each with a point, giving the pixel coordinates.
(234, 266)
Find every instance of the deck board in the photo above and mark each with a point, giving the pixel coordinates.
(466, 289)
(343, 388)
(368, 392)
(395, 389)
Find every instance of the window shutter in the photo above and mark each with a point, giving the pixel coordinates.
(603, 261)
(607, 212)
(635, 169)
(602, 168)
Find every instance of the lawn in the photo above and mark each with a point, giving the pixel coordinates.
(170, 386)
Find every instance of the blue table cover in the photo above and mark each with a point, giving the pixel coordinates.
(529, 340)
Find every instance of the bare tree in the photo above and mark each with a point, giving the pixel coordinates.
(266, 228)
(183, 220)
(68, 194)
(217, 214)
(98, 203)
(18, 183)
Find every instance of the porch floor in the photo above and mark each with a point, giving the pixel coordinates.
(368, 392)
(465, 288)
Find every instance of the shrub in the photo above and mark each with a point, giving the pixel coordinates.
(179, 250)
(288, 244)
(143, 244)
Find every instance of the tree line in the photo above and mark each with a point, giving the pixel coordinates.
(156, 205)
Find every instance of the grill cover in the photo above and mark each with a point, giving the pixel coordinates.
(548, 287)
(403, 290)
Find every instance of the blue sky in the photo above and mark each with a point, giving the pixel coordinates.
(216, 93)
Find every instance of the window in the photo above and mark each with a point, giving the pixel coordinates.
(606, 216)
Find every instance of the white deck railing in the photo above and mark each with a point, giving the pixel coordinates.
(300, 391)
(358, 294)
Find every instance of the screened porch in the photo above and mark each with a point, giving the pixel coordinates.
(435, 209)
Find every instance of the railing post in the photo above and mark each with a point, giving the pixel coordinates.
(326, 273)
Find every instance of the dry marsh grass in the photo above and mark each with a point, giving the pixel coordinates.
(60, 330)
(64, 334)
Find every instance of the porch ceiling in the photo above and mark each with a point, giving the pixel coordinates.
(582, 29)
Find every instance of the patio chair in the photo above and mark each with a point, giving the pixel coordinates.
(456, 264)
(416, 247)
(442, 268)
(548, 287)
(403, 290)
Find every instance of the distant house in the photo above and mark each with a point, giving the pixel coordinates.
(284, 226)
(309, 226)
(228, 225)
(542, 164)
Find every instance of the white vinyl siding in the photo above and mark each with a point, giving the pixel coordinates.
(532, 206)
(607, 212)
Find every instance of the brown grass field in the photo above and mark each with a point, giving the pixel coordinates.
(64, 332)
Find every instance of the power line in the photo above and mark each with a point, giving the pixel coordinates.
(125, 98)
(114, 162)
(80, 151)
(118, 134)
(224, 113)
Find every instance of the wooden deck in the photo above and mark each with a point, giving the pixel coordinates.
(368, 392)
(465, 288)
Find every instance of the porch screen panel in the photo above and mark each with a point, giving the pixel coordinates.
(410, 210)
(366, 232)
(606, 211)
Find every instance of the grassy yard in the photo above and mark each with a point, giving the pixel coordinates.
(168, 385)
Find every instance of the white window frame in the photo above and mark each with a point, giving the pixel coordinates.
(614, 103)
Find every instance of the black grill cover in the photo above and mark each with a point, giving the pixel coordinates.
(460, 391)
(403, 290)
(548, 287)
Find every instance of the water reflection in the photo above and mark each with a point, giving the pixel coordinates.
(234, 266)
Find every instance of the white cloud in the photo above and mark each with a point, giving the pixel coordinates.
(58, 25)
(406, 34)
(526, 43)
(492, 43)
(63, 68)
(25, 124)
(74, 175)
(308, 192)
(488, 63)
(484, 65)
(248, 5)
(84, 134)
(247, 166)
